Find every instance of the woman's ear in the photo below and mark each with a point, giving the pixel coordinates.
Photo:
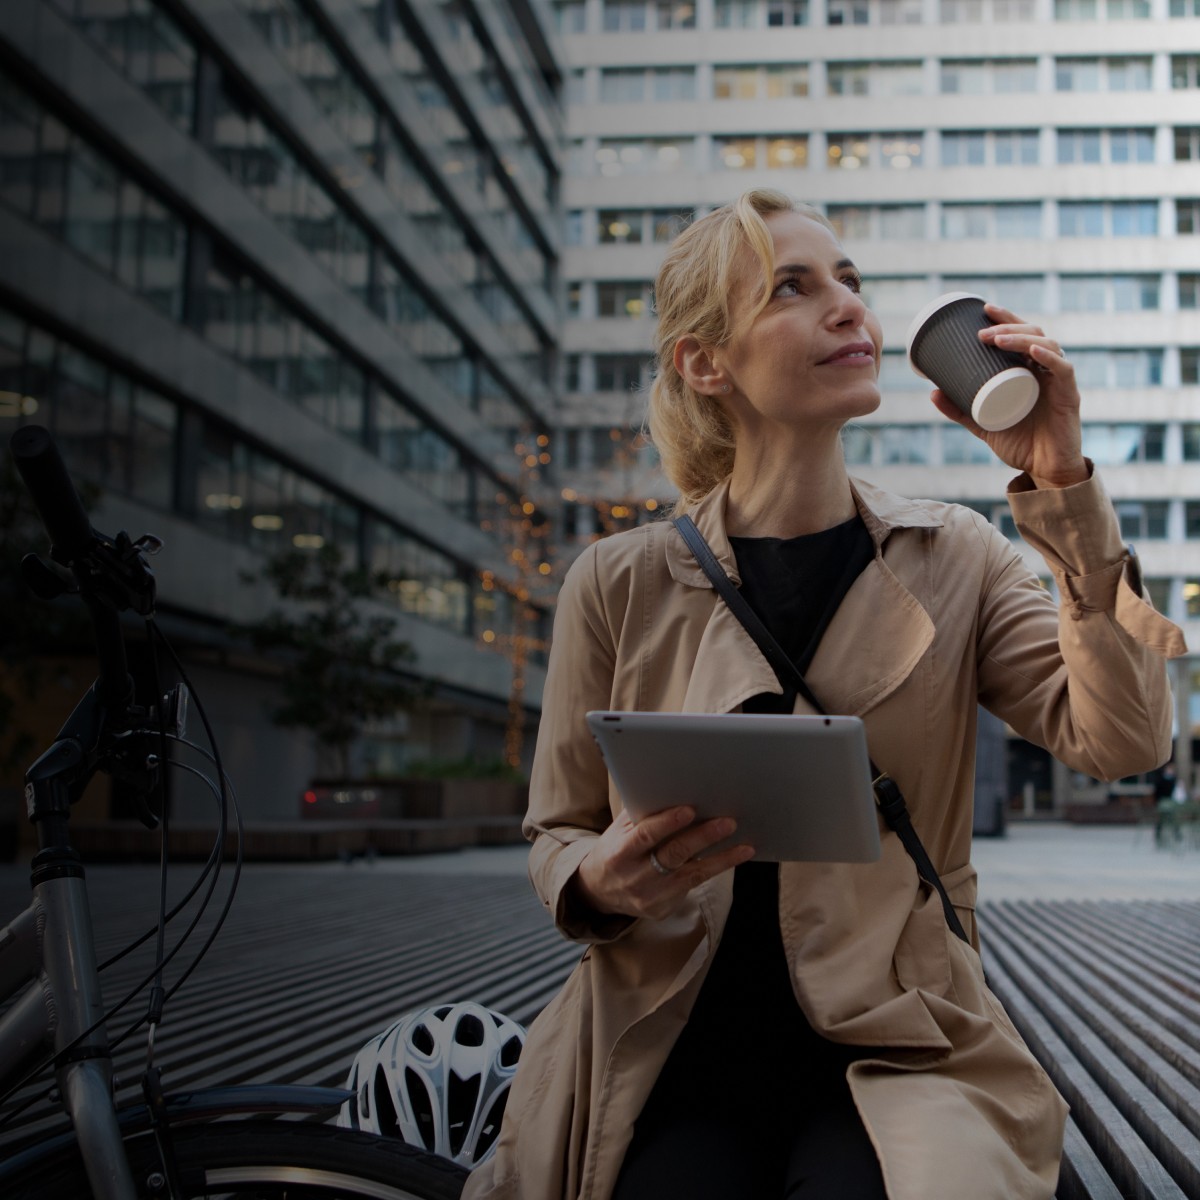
(697, 368)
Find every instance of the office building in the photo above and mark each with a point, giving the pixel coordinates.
(283, 273)
(1043, 152)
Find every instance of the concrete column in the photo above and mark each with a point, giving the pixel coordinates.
(1060, 785)
(1181, 669)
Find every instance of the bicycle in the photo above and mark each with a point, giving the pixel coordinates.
(172, 1147)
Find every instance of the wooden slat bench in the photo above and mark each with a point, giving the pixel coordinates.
(1107, 995)
(313, 961)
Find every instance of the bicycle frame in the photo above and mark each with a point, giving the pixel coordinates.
(48, 949)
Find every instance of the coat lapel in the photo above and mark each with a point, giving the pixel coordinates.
(873, 643)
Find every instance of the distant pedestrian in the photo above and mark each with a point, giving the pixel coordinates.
(1169, 793)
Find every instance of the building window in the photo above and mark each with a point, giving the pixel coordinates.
(634, 85)
(736, 14)
(880, 79)
(1141, 520)
(896, 151)
(1187, 143)
(873, 12)
(786, 81)
(885, 221)
(644, 156)
(787, 154)
(976, 12)
(632, 298)
(1111, 445)
(150, 49)
(1117, 368)
(114, 431)
(1187, 216)
(735, 154)
(637, 16)
(775, 82)
(904, 445)
(903, 295)
(80, 196)
(787, 13)
(1022, 294)
(616, 226)
(570, 16)
(1102, 74)
(1107, 218)
(1097, 10)
(985, 76)
(1185, 70)
(1189, 290)
(618, 372)
(1185, 8)
(990, 148)
(1108, 293)
(896, 373)
(1105, 145)
(960, 448)
(1189, 365)
(666, 224)
(1017, 220)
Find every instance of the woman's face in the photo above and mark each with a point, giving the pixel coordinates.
(812, 354)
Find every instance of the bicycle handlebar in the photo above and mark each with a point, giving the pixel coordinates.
(58, 503)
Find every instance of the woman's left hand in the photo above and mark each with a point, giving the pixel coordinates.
(1047, 444)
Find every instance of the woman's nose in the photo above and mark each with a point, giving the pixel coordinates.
(847, 307)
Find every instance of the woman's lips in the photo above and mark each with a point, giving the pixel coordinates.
(853, 355)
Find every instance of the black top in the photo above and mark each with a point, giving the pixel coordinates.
(746, 1015)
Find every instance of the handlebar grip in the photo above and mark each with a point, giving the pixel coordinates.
(57, 501)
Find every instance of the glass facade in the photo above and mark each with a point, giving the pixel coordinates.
(467, 162)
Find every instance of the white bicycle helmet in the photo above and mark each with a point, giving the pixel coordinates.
(437, 1079)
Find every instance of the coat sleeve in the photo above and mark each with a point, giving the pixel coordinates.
(1088, 683)
(568, 788)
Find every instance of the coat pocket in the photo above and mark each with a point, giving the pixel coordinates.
(922, 958)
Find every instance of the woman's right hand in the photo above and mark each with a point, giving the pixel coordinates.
(618, 874)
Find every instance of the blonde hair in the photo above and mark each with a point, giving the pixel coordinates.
(694, 437)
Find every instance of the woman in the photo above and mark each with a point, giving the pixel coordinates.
(811, 1029)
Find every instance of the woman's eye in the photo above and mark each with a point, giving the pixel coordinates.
(789, 287)
(853, 282)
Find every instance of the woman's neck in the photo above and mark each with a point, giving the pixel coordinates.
(787, 486)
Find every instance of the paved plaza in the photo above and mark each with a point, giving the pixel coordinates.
(1040, 860)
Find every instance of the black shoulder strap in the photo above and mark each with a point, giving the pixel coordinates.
(888, 796)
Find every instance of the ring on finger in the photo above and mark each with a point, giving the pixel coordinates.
(657, 865)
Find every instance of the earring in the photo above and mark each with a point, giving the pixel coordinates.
(725, 389)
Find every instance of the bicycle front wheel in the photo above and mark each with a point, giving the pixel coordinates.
(268, 1160)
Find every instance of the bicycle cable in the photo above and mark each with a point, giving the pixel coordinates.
(133, 993)
(224, 793)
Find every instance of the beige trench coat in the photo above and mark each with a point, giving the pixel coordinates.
(946, 615)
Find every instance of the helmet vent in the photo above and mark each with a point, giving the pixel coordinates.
(386, 1120)
(510, 1052)
(490, 1129)
(460, 1107)
(422, 1109)
(422, 1039)
(469, 1030)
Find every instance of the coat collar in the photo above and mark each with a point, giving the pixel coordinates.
(880, 510)
(874, 641)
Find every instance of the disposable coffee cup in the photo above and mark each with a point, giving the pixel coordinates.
(992, 386)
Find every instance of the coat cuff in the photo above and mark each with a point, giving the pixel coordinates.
(1075, 530)
(574, 919)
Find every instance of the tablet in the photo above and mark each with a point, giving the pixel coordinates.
(799, 787)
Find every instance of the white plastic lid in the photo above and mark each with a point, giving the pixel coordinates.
(1005, 399)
